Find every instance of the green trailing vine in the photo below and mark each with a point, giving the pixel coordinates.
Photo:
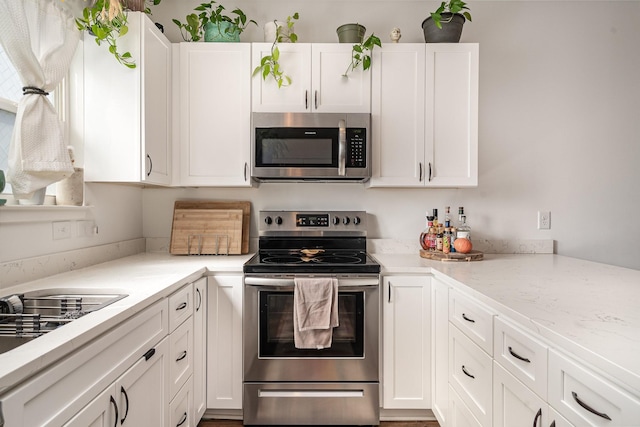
(269, 64)
(361, 54)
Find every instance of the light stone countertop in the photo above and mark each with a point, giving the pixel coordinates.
(146, 278)
(588, 309)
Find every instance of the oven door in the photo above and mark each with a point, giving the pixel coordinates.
(269, 350)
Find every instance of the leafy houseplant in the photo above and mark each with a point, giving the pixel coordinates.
(445, 24)
(269, 64)
(202, 24)
(361, 53)
(107, 21)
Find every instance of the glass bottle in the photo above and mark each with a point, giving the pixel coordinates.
(446, 240)
(447, 217)
(424, 239)
(439, 238)
(435, 218)
(463, 231)
(453, 238)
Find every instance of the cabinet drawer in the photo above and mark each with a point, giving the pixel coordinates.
(180, 356)
(180, 306)
(460, 415)
(522, 355)
(470, 375)
(586, 399)
(472, 318)
(181, 407)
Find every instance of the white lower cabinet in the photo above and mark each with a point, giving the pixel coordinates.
(514, 404)
(200, 348)
(587, 399)
(440, 351)
(224, 342)
(406, 350)
(459, 413)
(181, 411)
(181, 355)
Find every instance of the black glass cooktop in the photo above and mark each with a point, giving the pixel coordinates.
(311, 261)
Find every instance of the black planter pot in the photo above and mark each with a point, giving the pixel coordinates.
(450, 33)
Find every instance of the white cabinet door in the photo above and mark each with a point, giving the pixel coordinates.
(440, 350)
(514, 404)
(406, 340)
(181, 408)
(215, 114)
(224, 342)
(127, 111)
(200, 348)
(295, 62)
(139, 397)
(452, 115)
(425, 115)
(317, 80)
(459, 413)
(397, 115)
(332, 91)
(143, 391)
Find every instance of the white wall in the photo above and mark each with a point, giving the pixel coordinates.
(559, 124)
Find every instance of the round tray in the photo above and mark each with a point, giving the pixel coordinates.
(452, 256)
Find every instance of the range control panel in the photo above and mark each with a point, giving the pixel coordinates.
(300, 221)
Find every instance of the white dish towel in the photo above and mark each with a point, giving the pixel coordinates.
(315, 311)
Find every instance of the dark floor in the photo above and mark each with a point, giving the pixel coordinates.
(232, 423)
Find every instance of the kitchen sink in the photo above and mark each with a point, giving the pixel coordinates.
(24, 317)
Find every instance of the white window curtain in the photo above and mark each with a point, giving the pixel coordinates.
(40, 38)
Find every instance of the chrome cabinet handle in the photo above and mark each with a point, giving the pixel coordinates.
(150, 165)
(199, 299)
(182, 420)
(589, 408)
(115, 407)
(517, 356)
(181, 306)
(126, 400)
(182, 356)
(342, 147)
(464, 316)
(467, 373)
(538, 415)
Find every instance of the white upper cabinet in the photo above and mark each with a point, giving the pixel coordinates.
(127, 122)
(214, 114)
(317, 80)
(425, 115)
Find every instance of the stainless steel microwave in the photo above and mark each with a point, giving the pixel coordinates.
(311, 146)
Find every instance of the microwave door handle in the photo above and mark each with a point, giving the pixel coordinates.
(342, 148)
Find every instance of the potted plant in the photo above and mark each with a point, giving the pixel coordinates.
(351, 33)
(269, 65)
(107, 20)
(445, 24)
(212, 24)
(361, 53)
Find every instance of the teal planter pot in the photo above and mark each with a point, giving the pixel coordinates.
(221, 32)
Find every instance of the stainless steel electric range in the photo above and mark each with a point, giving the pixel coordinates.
(285, 385)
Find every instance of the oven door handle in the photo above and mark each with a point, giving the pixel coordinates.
(287, 282)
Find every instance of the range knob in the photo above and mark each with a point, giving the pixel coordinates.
(356, 220)
(278, 220)
(346, 220)
(336, 220)
(268, 220)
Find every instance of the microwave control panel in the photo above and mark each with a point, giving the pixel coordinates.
(356, 148)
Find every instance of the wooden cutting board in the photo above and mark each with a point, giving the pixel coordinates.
(209, 227)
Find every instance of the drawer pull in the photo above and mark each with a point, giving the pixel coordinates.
(467, 373)
(589, 408)
(182, 356)
(553, 423)
(464, 316)
(115, 407)
(126, 400)
(182, 420)
(538, 415)
(199, 298)
(182, 306)
(517, 356)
